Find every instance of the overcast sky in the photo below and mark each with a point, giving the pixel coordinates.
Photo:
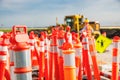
(34, 13)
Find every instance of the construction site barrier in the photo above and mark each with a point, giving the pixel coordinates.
(32, 42)
(86, 62)
(51, 68)
(23, 70)
(3, 61)
(115, 61)
(64, 59)
(42, 57)
(61, 40)
(94, 60)
(55, 54)
(78, 57)
(78, 51)
(46, 44)
(11, 52)
(69, 60)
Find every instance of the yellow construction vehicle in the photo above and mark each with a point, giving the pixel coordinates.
(76, 22)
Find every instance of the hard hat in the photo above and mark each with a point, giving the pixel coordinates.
(86, 20)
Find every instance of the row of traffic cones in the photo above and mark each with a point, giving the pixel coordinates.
(62, 56)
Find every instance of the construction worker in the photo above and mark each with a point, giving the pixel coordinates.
(87, 29)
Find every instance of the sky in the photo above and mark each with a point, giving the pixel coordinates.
(35, 13)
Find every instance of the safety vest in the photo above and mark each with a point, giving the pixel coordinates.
(89, 30)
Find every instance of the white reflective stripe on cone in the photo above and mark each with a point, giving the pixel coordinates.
(31, 47)
(115, 45)
(24, 76)
(22, 59)
(12, 74)
(42, 49)
(115, 59)
(60, 52)
(41, 43)
(69, 59)
(77, 70)
(85, 46)
(31, 41)
(55, 49)
(34, 58)
(3, 57)
(3, 48)
(51, 48)
(60, 42)
(11, 52)
(92, 53)
(78, 51)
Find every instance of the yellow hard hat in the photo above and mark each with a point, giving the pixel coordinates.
(86, 20)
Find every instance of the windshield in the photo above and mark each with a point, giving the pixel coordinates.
(69, 21)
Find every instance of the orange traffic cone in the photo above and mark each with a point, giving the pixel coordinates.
(86, 57)
(115, 64)
(32, 50)
(42, 57)
(4, 48)
(78, 52)
(60, 54)
(94, 61)
(55, 54)
(69, 60)
(3, 60)
(23, 69)
(46, 57)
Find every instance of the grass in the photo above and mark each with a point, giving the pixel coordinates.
(28, 29)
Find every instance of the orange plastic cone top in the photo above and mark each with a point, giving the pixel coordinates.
(115, 61)
(68, 34)
(69, 60)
